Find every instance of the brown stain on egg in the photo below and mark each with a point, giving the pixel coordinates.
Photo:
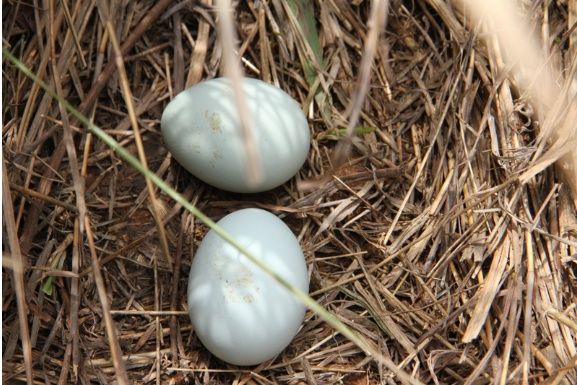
(237, 281)
(213, 120)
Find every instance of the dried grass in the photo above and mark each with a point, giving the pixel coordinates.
(424, 241)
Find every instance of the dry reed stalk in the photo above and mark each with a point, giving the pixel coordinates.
(534, 74)
(111, 331)
(233, 71)
(376, 23)
(155, 205)
(72, 349)
(18, 266)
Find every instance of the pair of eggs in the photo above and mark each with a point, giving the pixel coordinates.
(238, 312)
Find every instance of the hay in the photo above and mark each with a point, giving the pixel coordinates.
(423, 241)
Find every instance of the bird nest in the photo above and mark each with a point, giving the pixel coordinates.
(434, 224)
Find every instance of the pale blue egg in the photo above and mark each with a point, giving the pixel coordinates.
(201, 129)
(241, 314)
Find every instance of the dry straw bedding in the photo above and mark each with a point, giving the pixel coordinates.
(424, 241)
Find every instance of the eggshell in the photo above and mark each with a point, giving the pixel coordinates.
(238, 312)
(201, 129)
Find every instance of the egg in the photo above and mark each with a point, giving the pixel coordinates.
(200, 127)
(239, 313)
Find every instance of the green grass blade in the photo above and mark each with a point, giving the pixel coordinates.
(47, 286)
(312, 59)
(304, 14)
